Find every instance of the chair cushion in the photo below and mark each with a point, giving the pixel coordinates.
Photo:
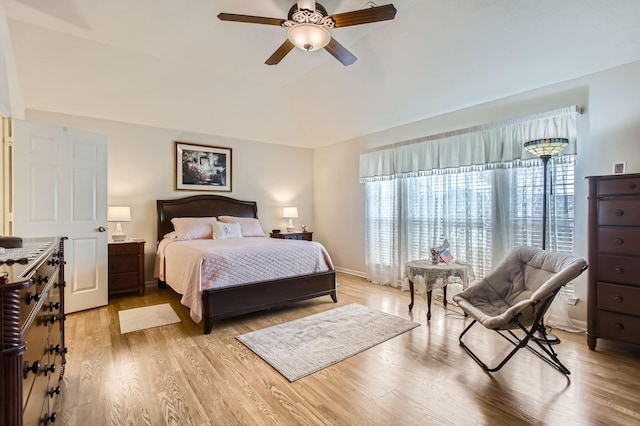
(524, 279)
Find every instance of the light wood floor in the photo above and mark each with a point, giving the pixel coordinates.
(176, 375)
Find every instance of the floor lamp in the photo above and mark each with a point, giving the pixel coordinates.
(545, 148)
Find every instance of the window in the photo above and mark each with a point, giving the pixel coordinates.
(482, 211)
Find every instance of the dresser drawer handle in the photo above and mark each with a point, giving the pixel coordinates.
(57, 349)
(34, 368)
(50, 319)
(619, 241)
(49, 368)
(619, 269)
(50, 418)
(29, 297)
(619, 326)
(618, 298)
(54, 391)
(619, 212)
(632, 185)
(51, 306)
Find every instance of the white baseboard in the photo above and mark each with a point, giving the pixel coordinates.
(352, 272)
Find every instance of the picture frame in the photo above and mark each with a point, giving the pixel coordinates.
(620, 168)
(202, 167)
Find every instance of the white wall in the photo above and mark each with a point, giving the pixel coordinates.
(141, 171)
(11, 103)
(608, 132)
(324, 183)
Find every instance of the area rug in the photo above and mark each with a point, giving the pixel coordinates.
(306, 345)
(146, 317)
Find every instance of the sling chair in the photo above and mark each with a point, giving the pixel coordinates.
(515, 296)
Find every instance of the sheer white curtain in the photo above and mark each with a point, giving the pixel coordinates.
(482, 209)
(483, 212)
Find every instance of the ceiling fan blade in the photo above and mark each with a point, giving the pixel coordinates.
(364, 16)
(250, 19)
(307, 4)
(280, 53)
(339, 52)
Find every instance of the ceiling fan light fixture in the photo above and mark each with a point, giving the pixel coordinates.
(308, 37)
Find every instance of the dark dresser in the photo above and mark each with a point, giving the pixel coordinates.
(613, 310)
(32, 332)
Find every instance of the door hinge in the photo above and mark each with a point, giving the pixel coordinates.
(7, 131)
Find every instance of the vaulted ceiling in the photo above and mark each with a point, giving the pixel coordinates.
(173, 64)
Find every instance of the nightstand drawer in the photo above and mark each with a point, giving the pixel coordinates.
(120, 249)
(121, 264)
(123, 281)
(306, 236)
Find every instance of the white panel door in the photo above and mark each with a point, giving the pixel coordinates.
(60, 189)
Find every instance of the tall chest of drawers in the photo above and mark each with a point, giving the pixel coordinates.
(613, 310)
(32, 332)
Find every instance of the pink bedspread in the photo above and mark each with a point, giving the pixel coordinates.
(196, 265)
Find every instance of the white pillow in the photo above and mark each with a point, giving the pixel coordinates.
(193, 228)
(222, 231)
(249, 226)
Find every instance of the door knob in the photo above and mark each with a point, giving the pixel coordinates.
(102, 229)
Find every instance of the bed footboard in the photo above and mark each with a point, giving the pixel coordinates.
(238, 300)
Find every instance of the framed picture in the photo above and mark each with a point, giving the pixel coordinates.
(619, 168)
(202, 167)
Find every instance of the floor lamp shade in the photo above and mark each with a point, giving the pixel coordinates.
(119, 214)
(550, 146)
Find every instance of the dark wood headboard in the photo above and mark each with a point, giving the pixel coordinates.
(201, 206)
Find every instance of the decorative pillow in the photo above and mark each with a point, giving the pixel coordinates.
(193, 228)
(222, 231)
(171, 235)
(249, 226)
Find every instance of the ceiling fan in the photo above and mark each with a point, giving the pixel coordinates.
(309, 25)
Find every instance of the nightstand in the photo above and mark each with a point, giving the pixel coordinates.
(126, 267)
(307, 236)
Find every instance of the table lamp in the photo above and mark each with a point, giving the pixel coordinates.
(118, 214)
(290, 213)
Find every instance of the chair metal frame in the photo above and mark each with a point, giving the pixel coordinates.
(547, 354)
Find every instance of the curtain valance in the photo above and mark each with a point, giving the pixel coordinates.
(475, 146)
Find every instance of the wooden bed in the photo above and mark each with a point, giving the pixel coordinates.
(238, 300)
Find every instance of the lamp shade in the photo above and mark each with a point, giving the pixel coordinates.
(546, 147)
(119, 214)
(308, 36)
(290, 212)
